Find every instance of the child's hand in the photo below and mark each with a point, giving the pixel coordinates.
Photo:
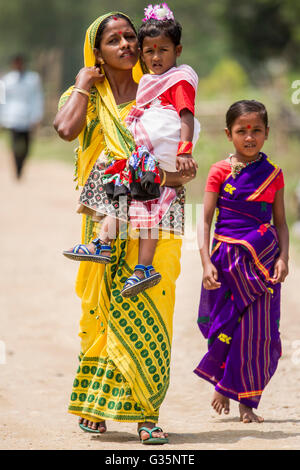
(281, 270)
(185, 162)
(210, 277)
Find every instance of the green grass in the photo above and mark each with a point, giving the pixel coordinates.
(46, 148)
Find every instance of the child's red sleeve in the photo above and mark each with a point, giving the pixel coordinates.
(216, 176)
(181, 96)
(268, 195)
(279, 181)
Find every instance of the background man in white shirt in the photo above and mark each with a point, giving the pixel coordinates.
(22, 110)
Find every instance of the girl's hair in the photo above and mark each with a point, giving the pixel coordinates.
(245, 107)
(153, 28)
(104, 23)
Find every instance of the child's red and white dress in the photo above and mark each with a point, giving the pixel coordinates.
(155, 125)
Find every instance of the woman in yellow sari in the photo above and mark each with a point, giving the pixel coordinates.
(125, 355)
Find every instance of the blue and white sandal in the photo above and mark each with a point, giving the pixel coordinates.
(134, 285)
(97, 257)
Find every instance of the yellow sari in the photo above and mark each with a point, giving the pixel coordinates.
(124, 369)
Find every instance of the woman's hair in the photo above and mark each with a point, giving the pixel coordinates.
(104, 23)
(153, 28)
(245, 107)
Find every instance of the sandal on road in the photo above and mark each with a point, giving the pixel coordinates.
(82, 253)
(87, 429)
(134, 285)
(152, 440)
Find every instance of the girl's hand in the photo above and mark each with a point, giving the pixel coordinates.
(210, 277)
(88, 76)
(281, 270)
(185, 164)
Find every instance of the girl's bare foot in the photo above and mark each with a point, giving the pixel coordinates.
(145, 435)
(220, 402)
(101, 426)
(248, 416)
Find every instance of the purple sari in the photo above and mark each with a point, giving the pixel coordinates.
(241, 318)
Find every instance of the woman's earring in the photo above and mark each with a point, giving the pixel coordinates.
(100, 65)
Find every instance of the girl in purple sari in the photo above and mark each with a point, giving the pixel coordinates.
(239, 308)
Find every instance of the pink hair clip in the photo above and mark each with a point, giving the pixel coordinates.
(158, 12)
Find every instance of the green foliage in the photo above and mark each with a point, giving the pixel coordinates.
(227, 77)
(33, 26)
(250, 32)
(262, 30)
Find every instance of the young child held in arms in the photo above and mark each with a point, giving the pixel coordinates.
(165, 130)
(239, 309)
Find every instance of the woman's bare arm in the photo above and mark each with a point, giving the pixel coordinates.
(71, 118)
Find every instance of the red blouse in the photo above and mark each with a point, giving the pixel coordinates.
(181, 96)
(220, 170)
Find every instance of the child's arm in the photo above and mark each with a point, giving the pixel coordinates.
(281, 266)
(210, 273)
(185, 161)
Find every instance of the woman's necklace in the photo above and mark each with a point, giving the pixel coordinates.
(237, 167)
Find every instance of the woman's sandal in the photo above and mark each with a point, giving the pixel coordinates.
(134, 284)
(97, 257)
(87, 429)
(152, 440)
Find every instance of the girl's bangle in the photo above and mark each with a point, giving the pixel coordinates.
(185, 147)
(162, 182)
(81, 90)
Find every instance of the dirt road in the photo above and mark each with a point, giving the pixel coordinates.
(39, 315)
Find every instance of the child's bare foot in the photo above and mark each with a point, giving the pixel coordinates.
(220, 402)
(248, 416)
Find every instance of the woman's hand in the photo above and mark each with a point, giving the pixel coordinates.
(176, 179)
(281, 270)
(210, 277)
(71, 118)
(89, 76)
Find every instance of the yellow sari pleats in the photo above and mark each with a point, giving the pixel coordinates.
(124, 369)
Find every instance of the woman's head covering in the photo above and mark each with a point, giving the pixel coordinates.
(89, 45)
